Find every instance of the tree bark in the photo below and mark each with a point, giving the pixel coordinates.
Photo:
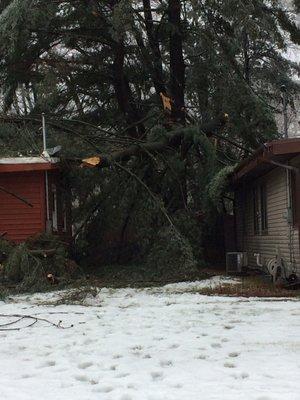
(246, 57)
(177, 66)
(170, 142)
(158, 78)
(123, 92)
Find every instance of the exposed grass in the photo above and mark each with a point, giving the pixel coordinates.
(244, 287)
(249, 287)
(140, 276)
(136, 276)
(3, 294)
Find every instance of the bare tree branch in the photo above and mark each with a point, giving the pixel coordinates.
(2, 189)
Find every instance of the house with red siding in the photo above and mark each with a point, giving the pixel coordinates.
(33, 199)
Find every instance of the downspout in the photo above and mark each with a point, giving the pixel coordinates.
(290, 218)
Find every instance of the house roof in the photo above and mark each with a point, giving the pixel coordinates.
(267, 157)
(22, 164)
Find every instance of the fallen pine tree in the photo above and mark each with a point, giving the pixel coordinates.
(36, 264)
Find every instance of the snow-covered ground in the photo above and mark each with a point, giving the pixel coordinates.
(155, 344)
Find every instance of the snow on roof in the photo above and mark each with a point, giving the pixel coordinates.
(28, 160)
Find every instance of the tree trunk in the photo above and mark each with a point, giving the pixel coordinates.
(177, 66)
(246, 57)
(123, 92)
(158, 78)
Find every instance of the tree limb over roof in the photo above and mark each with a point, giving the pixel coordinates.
(171, 141)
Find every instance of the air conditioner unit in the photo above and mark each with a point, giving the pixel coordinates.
(235, 262)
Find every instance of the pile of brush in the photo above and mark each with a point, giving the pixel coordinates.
(37, 263)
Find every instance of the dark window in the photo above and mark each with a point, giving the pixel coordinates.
(295, 181)
(260, 212)
(263, 209)
(54, 202)
(65, 217)
(255, 211)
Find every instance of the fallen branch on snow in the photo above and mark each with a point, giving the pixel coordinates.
(33, 320)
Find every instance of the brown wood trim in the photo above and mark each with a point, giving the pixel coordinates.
(284, 146)
(27, 167)
(267, 154)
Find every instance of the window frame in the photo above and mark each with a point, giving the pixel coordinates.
(263, 209)
(255, 211)
(295, 192)
(64, 214)
(260, 209)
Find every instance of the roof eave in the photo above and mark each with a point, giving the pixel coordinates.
(4, 168)
(267, 154)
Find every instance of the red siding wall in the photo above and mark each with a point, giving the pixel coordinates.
(16, 218)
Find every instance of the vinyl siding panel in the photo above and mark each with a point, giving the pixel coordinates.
(282, 238)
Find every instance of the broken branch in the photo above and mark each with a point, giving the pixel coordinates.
(2, 189)
(33, 320)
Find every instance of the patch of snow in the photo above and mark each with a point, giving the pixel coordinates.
(90, 300)
(27, 160)
(152, 344)
(211, 283)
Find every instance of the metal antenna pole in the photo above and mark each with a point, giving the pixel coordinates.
(285, 115)
(44, 132)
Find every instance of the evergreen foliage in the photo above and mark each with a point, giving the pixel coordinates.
(28, 269)
(219, 184)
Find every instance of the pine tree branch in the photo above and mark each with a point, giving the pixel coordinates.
(170, 142)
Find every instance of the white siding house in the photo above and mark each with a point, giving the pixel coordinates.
(267, 205)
